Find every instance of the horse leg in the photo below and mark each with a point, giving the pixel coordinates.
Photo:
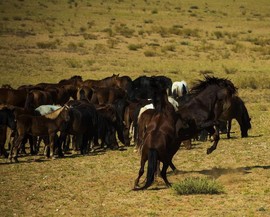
(164, 173)
(58, 146)
(215, 139)
(3, 137)
(51, 144)
(15, 146)
(229, 129)
(32, 145)
(158, 169)
(22, 146)
(141, 171)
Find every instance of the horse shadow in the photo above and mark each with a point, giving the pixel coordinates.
(217, 172)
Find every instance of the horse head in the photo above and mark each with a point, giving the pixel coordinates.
(65, 113)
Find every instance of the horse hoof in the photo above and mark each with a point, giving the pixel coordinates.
(209, 151)
(176, 171)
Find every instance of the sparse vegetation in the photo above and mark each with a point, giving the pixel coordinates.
(135, 46)
(196, 185)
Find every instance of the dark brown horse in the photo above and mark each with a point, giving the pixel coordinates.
(159, 142)
(13, 97)
(105, 82)
(237, 111)
(47, 125)
(36, 98)
(107, 95)
(205, 103)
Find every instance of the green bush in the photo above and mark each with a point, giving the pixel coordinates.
(48, 44)
(134, 46)
(150, 53)
(197, 185)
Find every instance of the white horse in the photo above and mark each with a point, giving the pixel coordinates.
(179, 88)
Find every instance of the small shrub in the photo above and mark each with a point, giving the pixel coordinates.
(148, 21)
(150, 53)
(100, 48)
(170, 47)
(125, 31)
(218, 34)
(134, 47)
(87, 36)
(90, 62)
(90, 24)
(154, 11)
(190, 32)
(229, 70)
(18, 18)
(48, 44)
(109, 31)
(82, 29)
(248, 82)
(72, 63)
(194, 7)
(72, 47)
(112, 42)
(186, 43)
(198, 186)
(238, 48)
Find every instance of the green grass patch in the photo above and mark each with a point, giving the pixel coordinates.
(197, 185)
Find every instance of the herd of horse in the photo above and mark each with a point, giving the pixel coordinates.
(155, 112)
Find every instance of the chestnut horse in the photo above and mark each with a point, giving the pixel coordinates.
(159, 141)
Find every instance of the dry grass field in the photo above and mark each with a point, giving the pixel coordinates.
(46, 41)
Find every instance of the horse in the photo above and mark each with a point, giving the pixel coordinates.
(107, 95)
(145, 87)
(179, 88)
(47, 125)
(158, 143)
(125, 83)
(105, 82)
(84, 92)
(75, 81)
(82, 124)
(237, 111)
(203, 107)
(13, 97)
(7, 119)
(36, 98)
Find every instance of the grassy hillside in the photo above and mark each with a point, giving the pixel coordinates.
(46, 41)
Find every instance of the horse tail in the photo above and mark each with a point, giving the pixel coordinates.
(152, 167)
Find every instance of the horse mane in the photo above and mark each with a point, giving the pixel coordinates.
(76, 77)
(54, 114)
(211, 80)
